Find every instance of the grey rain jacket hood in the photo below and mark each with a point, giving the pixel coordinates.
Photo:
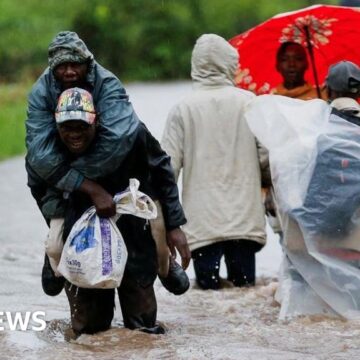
(214, 62)
(117, 120)
(68, 47)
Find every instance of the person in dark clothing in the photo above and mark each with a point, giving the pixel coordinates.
(92, 309)
(292, 63)
(239, 258)
(72, 64)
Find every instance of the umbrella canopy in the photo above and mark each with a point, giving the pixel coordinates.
(330, 34)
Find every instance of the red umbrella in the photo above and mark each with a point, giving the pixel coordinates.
(330, 34)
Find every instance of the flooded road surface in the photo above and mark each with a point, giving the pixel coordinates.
(228, 324)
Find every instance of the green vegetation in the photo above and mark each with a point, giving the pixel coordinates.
(152, 40)
(27, 27)
(136, 39)
(12, 116)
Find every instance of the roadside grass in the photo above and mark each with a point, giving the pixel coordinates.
(13, 102)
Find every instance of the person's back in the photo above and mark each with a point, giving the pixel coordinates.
(220, 164)
(207, 136)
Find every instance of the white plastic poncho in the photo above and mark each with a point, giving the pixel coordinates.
(94, 254)
(315, 164)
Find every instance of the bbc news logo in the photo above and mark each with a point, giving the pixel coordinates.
(22, 320)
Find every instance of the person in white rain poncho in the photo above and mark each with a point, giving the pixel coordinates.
(207, 137)
(314, 151)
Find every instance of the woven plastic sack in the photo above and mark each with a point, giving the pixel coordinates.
(94, 254)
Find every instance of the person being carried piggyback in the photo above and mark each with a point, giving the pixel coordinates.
(71, 64)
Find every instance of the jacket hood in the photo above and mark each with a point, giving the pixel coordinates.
(214, 61)
(68, 47)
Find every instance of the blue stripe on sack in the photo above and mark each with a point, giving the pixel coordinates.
(106, 246)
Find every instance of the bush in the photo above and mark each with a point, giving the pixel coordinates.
(136, 39)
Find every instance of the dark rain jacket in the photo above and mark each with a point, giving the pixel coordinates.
(145, 161)
(117, 131)
(148, 163)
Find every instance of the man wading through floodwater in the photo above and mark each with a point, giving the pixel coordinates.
(92, 310)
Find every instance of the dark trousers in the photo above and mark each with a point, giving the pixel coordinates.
(92, 310)
(239, 259)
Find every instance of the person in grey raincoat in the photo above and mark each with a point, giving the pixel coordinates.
(206, 136)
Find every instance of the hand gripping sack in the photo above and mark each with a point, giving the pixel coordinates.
(94, 254)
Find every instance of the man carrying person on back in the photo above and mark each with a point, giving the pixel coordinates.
(77, 134)
(72, 64)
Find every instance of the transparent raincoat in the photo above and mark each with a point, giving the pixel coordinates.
(314, 154)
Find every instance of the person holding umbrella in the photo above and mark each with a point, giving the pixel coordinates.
(292, 63)
(324, 31)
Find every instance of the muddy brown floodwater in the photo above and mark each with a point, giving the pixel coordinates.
(228, 324)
